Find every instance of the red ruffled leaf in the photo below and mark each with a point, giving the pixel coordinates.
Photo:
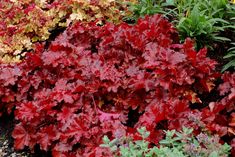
(46, 136)
(21, 136)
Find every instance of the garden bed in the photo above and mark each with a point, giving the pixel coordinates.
(88, 84)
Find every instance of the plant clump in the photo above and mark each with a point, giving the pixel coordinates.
(179, 144)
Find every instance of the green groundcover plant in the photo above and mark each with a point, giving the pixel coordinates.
(175, 144)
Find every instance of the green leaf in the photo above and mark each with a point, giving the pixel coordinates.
(170, 3)
(216, 20)
(231, 54)
(165, 142)
(113, 148)
(106, 139)
(214, 154)
(187, 130)
(143, 9)
(230, 26)
(228, 65)
(194, 16)
(231, 49)
(221, 38)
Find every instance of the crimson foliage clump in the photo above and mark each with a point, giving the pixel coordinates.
(90, 78)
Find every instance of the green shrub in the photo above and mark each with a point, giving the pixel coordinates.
(205, 29)
(203, 20)
(145, 7)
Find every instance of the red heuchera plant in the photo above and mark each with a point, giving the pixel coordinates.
(90, 79)
(224, 110)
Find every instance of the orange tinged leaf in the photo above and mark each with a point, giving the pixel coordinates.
(192, 97)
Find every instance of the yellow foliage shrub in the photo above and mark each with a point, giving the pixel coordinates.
(24, 22)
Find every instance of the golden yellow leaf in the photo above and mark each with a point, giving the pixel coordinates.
(192, 96)
(231, 131)
(101, 103)
(210, 85)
